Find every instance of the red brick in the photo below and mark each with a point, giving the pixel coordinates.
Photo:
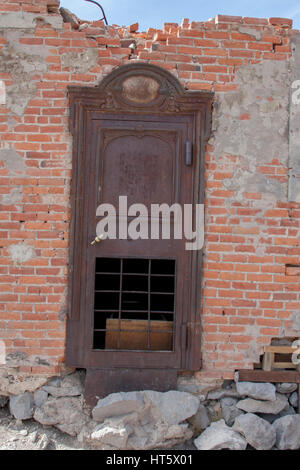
(292, 270)
(255, 21)
(216, 35)
(31, 41)
(228, 19)
(260, 47)
(284, 22)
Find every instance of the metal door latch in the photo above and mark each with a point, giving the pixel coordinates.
(188, 153)
(97, 240)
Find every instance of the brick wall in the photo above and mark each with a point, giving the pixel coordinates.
(250, 294)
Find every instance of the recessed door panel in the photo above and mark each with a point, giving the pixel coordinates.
(130, 163)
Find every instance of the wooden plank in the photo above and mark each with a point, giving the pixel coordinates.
(280, 349)
(275, 376)
(160, 335)
(268, 360)
(283, 365)
(257, 365)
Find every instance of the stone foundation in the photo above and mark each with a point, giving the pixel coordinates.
(230, 415)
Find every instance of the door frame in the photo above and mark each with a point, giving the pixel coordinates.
(113, 97)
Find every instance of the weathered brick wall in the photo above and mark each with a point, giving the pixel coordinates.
(250, 295)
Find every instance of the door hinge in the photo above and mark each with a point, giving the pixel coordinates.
(188, 153)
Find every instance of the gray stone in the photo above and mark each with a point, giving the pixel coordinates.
(229, 410)
(218, 394)
(55, 382)
(259, 391)
(22, 406)
(69, 386)
(220, 436)
(33, 437)
(117, 404)
(65, 413)
(44, 443)
(201, 389)
(116, 437)
(142, 429)
(286, 387)
(257, 432)
(285, 412)
(175, 407)
(287, 432)
(200, 420)
(61, 392)
(19, 424)
(40, 397)
(260, 406)
(3, 401)
(10, 383)
(293, 399)
(214, 411)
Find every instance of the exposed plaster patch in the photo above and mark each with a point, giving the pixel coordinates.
(12, 160)
(250, 31)
(27, 20)
(21, 61)
(80, 62)
(254, 352)
(294, 125)
(262, 96)
(14, 197)
(11, 123)
(295, 317)
(21, 253)
(255, 183)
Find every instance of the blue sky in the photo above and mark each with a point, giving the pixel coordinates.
(153, 13)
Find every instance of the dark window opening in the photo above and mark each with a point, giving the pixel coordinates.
(134, 306)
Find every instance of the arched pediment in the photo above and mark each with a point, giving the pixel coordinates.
(141, 87)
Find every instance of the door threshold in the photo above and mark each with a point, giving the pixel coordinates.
(101, 382)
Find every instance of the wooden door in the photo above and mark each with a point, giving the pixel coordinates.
(135, 303)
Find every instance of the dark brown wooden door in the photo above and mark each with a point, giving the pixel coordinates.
(143, 160)
(135, 303)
